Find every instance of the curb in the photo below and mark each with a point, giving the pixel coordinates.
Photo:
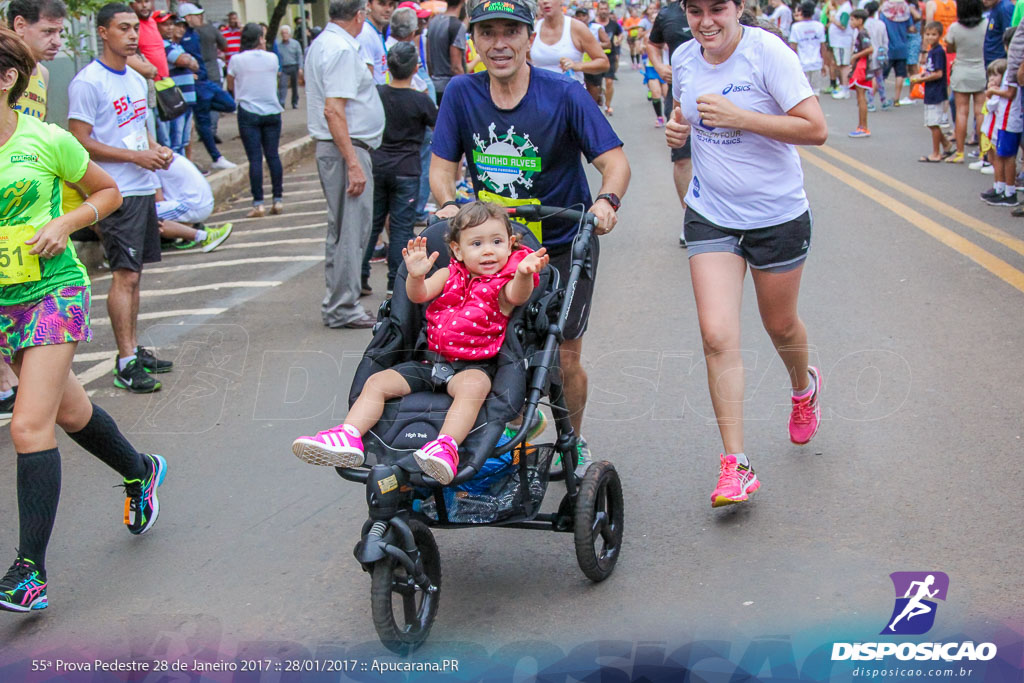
(226, 184)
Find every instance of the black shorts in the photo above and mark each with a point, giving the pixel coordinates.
(613, 66)
(421, 376)
(899, 66)
(593, 80)
(579, 311)
(131, 235)
(678, 153)
(775, 249)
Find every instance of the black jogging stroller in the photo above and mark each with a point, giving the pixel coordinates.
(397, 547)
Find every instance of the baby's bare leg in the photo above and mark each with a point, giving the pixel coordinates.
(468, 390)
(369, 406)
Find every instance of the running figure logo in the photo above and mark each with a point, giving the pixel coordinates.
(914, 612)
(504, 161)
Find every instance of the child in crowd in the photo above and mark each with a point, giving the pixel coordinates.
(986, 164)
(807, 38)
(933, 75)
(880, 57)
(861, 77)
(397, 163)
(471, 300)
(1008, 126)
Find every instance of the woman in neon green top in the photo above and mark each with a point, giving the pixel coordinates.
(44, 313)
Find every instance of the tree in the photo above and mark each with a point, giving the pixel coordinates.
(280, 9)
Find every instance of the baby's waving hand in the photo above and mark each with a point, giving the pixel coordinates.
(417, 262)
(534, 262)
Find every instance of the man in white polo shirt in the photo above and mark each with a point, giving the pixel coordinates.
(346, 118)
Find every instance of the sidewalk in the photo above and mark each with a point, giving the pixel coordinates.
(294, 146)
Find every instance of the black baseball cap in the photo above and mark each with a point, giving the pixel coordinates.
(513, 10)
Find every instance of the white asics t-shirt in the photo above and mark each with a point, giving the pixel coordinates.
(808, 37)
(182, 182)
(742, 180)
(114, 104)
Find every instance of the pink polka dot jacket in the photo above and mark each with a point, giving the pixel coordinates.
(465, 321)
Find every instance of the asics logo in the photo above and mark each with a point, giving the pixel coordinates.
(735, 88)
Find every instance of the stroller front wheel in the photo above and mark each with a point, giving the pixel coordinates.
(598, 521)
(403, 611)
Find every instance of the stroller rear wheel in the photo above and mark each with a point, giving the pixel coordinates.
(402, 611)
(598, 521)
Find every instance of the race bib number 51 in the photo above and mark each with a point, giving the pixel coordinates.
(17, 265)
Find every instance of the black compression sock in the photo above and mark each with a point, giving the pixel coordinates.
(38, 494)
(657, 106)
(102, 438)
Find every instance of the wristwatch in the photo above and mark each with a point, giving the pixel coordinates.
(611, 198)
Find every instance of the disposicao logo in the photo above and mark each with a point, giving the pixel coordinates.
(916, 593)
(914, 614)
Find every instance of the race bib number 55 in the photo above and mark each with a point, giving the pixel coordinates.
(17, 265)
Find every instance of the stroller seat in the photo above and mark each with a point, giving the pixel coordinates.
(411, 421)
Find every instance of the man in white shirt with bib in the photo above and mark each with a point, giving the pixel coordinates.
(107, 115)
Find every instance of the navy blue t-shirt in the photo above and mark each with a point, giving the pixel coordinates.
(935, 91)
(999, 19)
(530, 151)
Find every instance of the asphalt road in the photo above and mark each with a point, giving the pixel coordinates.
(912, 296)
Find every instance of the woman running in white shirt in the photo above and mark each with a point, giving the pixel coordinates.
(742, 97)
(560, 44)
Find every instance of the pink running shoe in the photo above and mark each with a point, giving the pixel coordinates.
(659, 122)
(439, 458)
(735, 483)
(338, 447)
(806, 415)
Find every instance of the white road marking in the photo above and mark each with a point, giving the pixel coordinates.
(290, 215)
(221, 264)
(149, 293)
(94, 356)
(95, 372)
(156, 315)
(297, 240)
(286, 207)
(269, 231)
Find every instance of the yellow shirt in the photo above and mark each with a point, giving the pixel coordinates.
(471, 55)
(33, 100)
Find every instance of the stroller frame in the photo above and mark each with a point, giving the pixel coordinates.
(396, 546)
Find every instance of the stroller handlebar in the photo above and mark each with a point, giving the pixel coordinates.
(539, 212)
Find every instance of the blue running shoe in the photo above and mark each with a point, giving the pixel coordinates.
(141, 507)
(23, 587)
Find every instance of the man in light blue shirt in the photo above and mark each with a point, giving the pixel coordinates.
(290, 52)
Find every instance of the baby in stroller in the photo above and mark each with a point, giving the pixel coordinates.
(471, 300)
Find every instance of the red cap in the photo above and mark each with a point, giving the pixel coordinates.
(160, 16)
(415, 6)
